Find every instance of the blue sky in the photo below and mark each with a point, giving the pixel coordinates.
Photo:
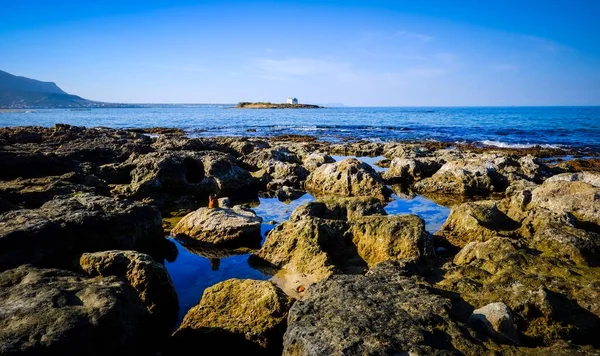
(357, 53)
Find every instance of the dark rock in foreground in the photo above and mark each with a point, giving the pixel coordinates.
(60, 230)
(149, 278)
(55, 312)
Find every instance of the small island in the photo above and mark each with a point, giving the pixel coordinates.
(292, 103)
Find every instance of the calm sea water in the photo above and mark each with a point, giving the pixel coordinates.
(504, 126)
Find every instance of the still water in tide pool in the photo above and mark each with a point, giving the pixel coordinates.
(192, 273)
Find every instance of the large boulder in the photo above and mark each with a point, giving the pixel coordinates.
(411, 169)
(347, 178)
(172, 174)
(476, 222)
(56, 312)
(236, 316)
(316, 160)
(383, 313)
(63, 228)
(393, 237)
(482, 175)
(220, 227)
(149, 278)
(317, 242)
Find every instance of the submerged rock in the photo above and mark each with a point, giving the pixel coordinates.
(236, 316)
(347, 178)
(340, 208)
(149, 278)
(56, 312)
(63, 228)
(286, 193)
(220, 226)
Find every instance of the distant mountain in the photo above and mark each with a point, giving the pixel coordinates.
(25, 93)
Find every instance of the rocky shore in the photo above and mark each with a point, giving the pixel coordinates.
(85, 214)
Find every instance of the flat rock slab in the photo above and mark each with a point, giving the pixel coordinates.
(220, 226)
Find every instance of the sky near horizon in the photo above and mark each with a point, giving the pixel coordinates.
(355, 53)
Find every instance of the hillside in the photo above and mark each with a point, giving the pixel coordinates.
(26, 93)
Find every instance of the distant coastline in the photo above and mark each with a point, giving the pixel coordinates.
(267, 105)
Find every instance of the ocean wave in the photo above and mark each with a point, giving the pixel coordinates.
(501, 144)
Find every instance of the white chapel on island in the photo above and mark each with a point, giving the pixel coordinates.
(293, 101)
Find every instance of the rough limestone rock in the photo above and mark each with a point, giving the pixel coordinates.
(578, 198)
(220, 226)
(347, 178)
(149, 278)
(382, 313)
(393, 237)
(476, 222)
(61, 229)
(340, 208)
(485, 253)
(591, 178)
(551, 300)
(462, 177)
(240, 316)
(302, 247)
(411, 169)
(172, 174)
(286, 193)
(56, 312)
(482, 175)
(316, 160)
(317, 242)
(496, 320)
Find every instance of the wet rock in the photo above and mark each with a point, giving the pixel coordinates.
(362, 148)
(316, 160)
(149, 278)
(236, 316)
(220, 227)
(382, 313)
(477, 221)
(340, 208)
(347, 178)
(496, 320)
(61, 229)
(411, 169)
(286, 193)
(55, 312)
(266, 157)
(275, 175)
(402, 150)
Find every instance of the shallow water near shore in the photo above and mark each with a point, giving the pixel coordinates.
(498, 126)
(192, 273)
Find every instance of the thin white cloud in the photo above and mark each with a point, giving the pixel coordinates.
(414, 35)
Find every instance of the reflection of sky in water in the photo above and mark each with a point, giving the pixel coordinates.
(192, 274)
(368, 160)
(434, 215)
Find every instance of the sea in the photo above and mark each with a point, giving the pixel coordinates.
(192, 273)
(577, 127)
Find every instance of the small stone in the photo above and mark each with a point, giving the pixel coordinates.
(495, 320)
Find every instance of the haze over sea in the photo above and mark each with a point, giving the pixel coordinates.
(577, 127)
